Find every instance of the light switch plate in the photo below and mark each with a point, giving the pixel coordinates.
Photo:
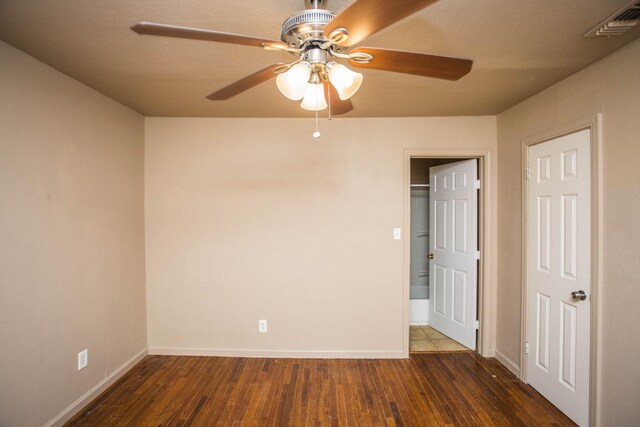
(397, 233)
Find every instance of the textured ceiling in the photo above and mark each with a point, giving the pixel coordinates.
(518, 48)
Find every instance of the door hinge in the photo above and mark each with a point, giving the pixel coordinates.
(476, 324)
(527, 173)
(526, 348)
(476, 185)
(477, 255)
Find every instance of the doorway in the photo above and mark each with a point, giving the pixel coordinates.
(443, 284)
(487, 221)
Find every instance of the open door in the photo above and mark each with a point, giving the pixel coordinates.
(453, 255)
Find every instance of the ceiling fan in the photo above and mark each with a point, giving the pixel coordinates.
(317, 37)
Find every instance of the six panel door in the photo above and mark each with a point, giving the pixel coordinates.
(453, 271)
(559, 263)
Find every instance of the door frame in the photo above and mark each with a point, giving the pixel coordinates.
(487, 236)
(594, 125)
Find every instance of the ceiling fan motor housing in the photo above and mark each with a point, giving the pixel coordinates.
(299, 30)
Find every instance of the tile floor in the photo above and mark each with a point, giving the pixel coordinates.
(425, 339)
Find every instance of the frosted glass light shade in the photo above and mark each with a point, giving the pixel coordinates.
(292, 84)
(314, 97)
(345, 81)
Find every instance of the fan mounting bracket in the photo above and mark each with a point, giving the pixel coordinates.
(316, 4)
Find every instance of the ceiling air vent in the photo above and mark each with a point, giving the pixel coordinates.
(618, 23)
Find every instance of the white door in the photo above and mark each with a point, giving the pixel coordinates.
(559, 263)
(453, 243)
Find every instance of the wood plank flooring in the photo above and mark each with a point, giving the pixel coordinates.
(461, 389)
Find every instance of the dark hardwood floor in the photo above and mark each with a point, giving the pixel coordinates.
(461, 389)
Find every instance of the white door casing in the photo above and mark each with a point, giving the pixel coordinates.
(559, 263)
(453, 242)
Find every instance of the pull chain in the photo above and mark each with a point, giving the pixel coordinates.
(329, 96)
(316, 134)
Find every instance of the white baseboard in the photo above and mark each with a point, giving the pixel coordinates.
(83, 401)
(489, 353)
(284, 354)
(508, 363)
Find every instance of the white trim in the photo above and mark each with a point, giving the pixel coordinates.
(96, 390)
(598, 279)
(508, 363)
(297, 354)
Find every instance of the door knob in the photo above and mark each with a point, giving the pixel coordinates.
(579, 295)
(430, 256)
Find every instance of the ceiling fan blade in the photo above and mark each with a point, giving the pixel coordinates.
(420, 64)
(152, 29)
(365, 17)
(245, 83)
(338, 106)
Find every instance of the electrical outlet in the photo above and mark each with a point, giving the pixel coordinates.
(262, 326)
(83, 359)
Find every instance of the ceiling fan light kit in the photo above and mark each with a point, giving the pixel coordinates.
(316, 75)
(313, 69)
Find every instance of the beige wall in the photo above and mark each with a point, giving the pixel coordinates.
(610, 86)
(250, 219)
(72, 238)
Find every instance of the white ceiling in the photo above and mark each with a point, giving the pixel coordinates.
(519, 47)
